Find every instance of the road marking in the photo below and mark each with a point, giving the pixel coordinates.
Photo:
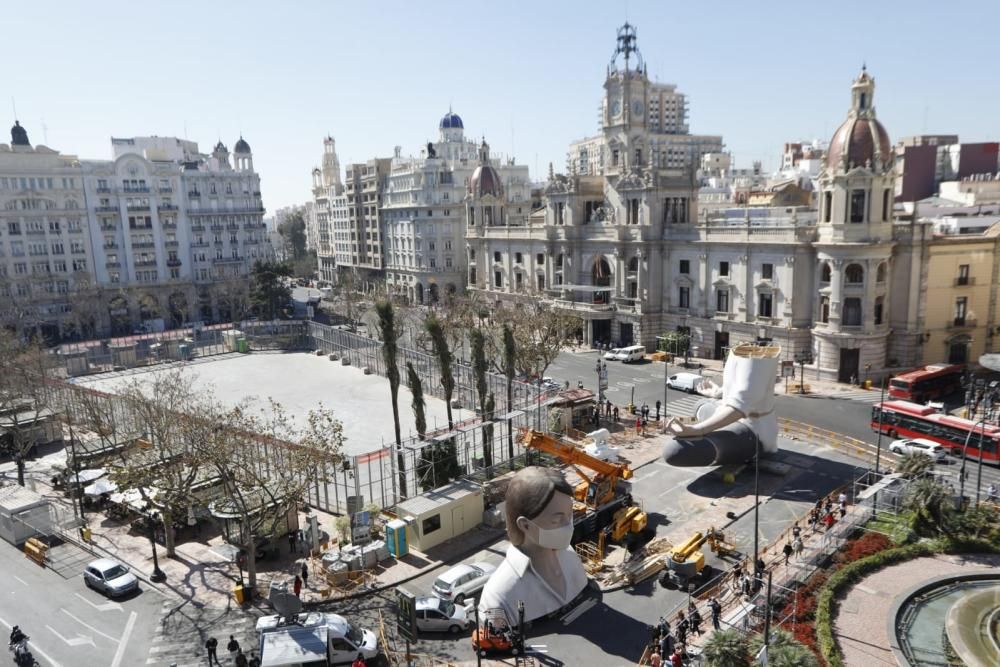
(120, 653)
(20, 579)
(625, 384)
(79, 640)
(107, 606)
(34, 647)
(89, 627)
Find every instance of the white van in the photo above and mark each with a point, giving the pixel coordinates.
(332, 640)
(688, 382)
(918, 446)
(631, 353)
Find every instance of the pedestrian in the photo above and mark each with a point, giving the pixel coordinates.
(746, 586)
(829, 520)
(616, 414)
(842, 499)
(665, 641)
(254, 660)
(291, 542)
(682, 629)
(305, 574)
(655, 660)
(658, 410)
(241, 659)
(787, 550)
(233, 646)
(607, 407)
(760, 567)
(798, 547)
(297, 586)
(796, 531)
(677, 660)
(814, 519)
(843, 512)
(991, 493)
(212, 645)
(696, 621)
(638, 425)
(359, 661)
(828, 505)
(716, 609)
(300, 539)
(664, 627)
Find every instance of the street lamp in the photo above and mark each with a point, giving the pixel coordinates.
(158, 574)
(602, 382)
(803, 358)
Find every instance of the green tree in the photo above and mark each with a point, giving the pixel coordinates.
(477, 343)
(912, 465)
(784, 650)
(268, 291)
(417, 390)
(509, 362)
(390, 347)
(932, 505)
(293, 234)
(726, 648)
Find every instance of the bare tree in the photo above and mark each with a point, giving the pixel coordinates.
(25, 417)
(232, 294)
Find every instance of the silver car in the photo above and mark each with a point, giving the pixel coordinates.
(437, 615)
(463, 581)
(109, 577)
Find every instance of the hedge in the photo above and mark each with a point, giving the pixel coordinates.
(854, 572)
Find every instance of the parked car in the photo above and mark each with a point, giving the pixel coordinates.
(688, 382)
(437, 615)
(918, 446)
(109, 577)
(463, 581)
(612, 354)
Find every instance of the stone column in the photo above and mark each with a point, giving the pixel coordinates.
(836, 292)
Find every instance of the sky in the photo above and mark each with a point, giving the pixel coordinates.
(526, 75)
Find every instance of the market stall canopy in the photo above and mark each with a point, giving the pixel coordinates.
(89, 475)
(100, 487)
(132, 498)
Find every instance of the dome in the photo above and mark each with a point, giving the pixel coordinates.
(859, 142)
(221, 148)
(451, 121)
(241, 146)
(486, 181)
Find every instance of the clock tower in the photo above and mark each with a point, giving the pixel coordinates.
(626, 84)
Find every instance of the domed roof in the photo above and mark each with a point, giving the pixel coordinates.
(221, 147)
(241, 146)
(858, 142)
(486, 181)
(451, 121)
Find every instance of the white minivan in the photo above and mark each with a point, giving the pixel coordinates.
(918, 446)
(631, 353)
(688, 382)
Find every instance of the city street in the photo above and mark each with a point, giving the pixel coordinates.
(68, 623)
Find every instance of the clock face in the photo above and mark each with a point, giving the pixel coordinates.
(616, 108)
(637, 108)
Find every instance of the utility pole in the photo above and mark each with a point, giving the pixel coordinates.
(666, 374)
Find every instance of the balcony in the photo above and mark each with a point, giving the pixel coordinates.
(29, 230)
(173, 262)
(169, 223)
(216, 227)
(171, 243)
(962, 323)
(165, 190)
(103, 189)
(145, 262)
(113, 265)
(199, 244)
(143, 244)
(111, 246)
(194, 194)
(106, 209)
(136, 189)
(198, 228)
(109, 228)
(138, 208)
(166, 207)
(227, 260)
(964, 281)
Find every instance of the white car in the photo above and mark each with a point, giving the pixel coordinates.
(109, 577)
(612, 354)
(463, 581)
(918, 446)
(437, 615)
(688, 382)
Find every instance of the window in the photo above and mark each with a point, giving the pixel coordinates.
(614, 158)
(879, 302)
(559, 261)
(827, 205)
(824, 274)
(885, 205)
(961, 309)
(854, 274)
(496, 256)
(767, 271)
(518, 280)
(447, 262)
(472, 254)
(540, 259)
(963, 274)
(852, 312)
(472, 275)
(431, 524)
(498, 278)
(517, 258)
(685, 266)
(684, 297)
(765, 303)
(857, 206)
(722, 301)
(540, 281)
(880, 273)
(724, 269)
(824, 309)
(638, 156)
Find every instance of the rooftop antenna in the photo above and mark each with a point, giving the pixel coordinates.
(512, 135)
(45, 132)
(13, 105)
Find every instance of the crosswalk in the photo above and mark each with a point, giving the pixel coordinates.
(684, 406)
(180, 638)
(858, 396)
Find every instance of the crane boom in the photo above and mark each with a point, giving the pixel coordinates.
(598, 488)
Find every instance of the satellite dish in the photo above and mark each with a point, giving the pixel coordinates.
(286, 604)
(990, 361)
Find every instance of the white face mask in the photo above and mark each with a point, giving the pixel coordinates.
(554, 538)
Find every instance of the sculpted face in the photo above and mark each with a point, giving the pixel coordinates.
(549, 529)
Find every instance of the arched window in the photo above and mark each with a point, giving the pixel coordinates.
(824, 309)
(854, 274)
(880, 273)
(824, 276)
(852, 312)
(879, 308)
(633, 265)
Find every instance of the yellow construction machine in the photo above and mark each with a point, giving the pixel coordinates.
(686, 562)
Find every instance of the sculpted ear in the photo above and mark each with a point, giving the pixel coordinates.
(523, 523)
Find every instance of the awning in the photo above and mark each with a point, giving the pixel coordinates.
(86, 476)
(100, 487)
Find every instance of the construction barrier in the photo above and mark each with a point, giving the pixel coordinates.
(36, 550)
(820, 436)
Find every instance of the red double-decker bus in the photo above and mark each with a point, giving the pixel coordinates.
(927, 383)
(902, 419)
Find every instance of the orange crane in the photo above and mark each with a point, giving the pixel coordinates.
(600, 484)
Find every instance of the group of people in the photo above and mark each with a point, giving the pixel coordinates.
(612, 413)
(239, 659)
(825, 513)
(669, 644)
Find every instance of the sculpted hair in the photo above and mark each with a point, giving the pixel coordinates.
(528, 493)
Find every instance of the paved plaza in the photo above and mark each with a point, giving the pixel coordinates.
(300, 382)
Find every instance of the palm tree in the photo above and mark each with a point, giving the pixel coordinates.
(784, 651)
(912, 465)
(477, 343)
(443, 353)
(488, 409)
(727, 648)
(932, 506)
(417, 389)
(390, 338)
(509, 356)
